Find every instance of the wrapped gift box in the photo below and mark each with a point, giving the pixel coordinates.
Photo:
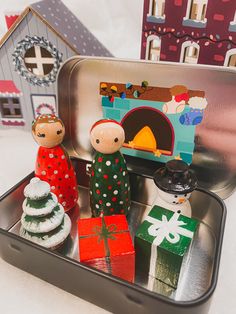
(162, 241)
(105, 243)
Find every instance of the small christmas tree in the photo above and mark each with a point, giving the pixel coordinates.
(43, 220)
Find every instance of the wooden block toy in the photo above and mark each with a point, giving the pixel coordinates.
(163, 241)
(105, 243)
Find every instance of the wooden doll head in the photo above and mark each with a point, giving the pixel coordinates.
(107, 136)
(48, 130)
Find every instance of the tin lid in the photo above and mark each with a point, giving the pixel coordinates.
(80, 105)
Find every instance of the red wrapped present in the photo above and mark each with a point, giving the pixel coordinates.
(105, 243)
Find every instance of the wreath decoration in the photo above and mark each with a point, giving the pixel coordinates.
(42, 106)
(18, 60)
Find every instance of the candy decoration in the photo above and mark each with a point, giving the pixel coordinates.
(145, 84)
(136, 94)
(129, 86)
(123, 95)
(104, 86)
(111, 98)
(109, 180)
(113, 89)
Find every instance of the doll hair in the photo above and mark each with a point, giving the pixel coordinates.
(46, 118)
(102, 121)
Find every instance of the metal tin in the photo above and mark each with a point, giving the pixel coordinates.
(195, 287)
(79, 107)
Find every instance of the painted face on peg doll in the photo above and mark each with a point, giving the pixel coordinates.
(108, 137)
(48, 131)
(175, 199)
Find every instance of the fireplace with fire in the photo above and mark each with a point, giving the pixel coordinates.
(159, 122)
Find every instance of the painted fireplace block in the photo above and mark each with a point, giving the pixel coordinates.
(31, 53)
(190, 31)
(153, 132)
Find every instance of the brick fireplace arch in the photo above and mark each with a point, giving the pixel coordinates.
(148, 129)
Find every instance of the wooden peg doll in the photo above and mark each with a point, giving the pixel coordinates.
(109, 180)
(53, 163)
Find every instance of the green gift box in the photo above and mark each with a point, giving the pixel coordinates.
(163, 239)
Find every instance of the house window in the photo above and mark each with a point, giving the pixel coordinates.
(153, 49)
(196, 13)
(156, 11)
(39, 61)
(232, 25)
(189, 52)
(158, 7)
(10, 108)
(230, 58)
(198, 10)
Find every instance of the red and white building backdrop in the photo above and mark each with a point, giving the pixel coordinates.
(190, 31)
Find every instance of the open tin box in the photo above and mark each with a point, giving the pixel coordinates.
(79, 98)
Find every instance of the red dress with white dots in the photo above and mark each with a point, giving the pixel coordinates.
(54, 167)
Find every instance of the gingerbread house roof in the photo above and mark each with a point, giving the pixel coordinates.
(66, 25)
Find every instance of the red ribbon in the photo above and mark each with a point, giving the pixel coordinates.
(180, 97)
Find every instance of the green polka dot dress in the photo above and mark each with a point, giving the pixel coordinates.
(109, 185)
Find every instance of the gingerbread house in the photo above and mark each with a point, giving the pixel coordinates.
(31, 54)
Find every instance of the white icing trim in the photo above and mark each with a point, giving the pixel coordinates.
(188, 44)
(11, 94)
(149, 40)
(229, 54)
(12, 119)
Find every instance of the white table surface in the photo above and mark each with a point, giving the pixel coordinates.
(20, 292)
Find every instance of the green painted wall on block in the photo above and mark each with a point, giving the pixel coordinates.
(122, 103)
(112, 114)
(183, 134)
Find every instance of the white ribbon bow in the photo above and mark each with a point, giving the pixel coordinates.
(163, 229)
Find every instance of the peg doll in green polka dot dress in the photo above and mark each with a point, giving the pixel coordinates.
(109, 179)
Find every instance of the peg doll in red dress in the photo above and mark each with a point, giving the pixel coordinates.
(53, 164)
